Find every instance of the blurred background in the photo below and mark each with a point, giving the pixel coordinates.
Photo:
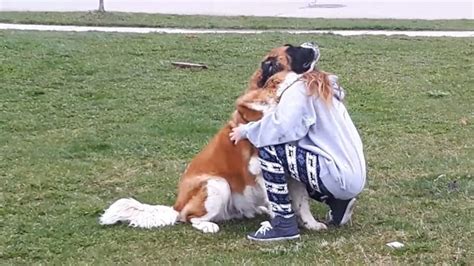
(401, 9)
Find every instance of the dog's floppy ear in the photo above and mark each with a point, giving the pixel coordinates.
(254, 104)
(247, 112)
(254, 80)
(249, 107)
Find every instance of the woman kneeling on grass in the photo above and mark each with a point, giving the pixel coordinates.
(311, 138)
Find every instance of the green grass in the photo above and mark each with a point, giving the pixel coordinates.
(88, 118)
(237, 22)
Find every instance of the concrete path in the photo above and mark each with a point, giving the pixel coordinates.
(6, 26)
(398, 9)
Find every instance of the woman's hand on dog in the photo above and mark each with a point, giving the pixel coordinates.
(236, 135)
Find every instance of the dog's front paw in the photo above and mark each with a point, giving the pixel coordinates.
(314, 225)
(206, 227)
(265, 210)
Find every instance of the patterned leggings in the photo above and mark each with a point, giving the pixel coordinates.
(286, 160)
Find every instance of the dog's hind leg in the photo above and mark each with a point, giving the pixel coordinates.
(300, 204)
(208, 205)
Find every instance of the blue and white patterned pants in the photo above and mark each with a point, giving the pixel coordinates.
(281, 161)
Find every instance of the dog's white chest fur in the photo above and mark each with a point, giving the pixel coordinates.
(251, 202)
(254, 199)
(248, 203)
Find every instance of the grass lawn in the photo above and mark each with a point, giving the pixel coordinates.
(237, 22)
(88, 118)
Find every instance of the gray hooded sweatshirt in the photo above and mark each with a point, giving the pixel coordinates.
(326, 130)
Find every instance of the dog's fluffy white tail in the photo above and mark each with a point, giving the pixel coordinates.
(138, 214)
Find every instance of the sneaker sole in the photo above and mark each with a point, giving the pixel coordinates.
(348, 213)
(274, 239)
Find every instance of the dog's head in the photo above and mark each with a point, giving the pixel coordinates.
(255, 103)
(299, 59)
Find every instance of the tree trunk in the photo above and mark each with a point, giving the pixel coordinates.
(101, 6)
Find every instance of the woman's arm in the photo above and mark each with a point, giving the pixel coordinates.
(290, 121)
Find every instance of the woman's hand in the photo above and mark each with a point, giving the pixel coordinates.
(235, 135)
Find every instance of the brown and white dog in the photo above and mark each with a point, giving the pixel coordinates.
(224, 181)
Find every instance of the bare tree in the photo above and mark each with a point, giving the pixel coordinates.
(101, 6)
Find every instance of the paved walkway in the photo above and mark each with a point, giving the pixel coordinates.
(6, 26)
(398, 9)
